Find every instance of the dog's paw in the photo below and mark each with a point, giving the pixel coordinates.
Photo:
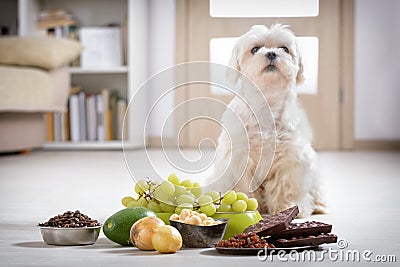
(303, 213)
(305, 210)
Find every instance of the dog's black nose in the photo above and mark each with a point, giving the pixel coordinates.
(270, 55)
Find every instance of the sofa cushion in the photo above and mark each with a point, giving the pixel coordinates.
(24, 89)
(43, 52)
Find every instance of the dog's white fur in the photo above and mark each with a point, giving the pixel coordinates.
(291, 179)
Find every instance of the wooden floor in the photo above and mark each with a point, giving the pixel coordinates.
(362, 189)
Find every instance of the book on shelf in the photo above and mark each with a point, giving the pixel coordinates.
(74, 118)
(103, 47)
(45, 15)
(82, 116)
(122, 132)
(62, 31)
(100, 118)
(89, 117)
(57, 126)
(63, 129)
(48, 19)
(54, 24)
(106, 114)
(49, 127)
(59, 24)
(113, 111)
(67, 126)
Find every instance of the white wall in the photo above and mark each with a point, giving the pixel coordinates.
(161, 55)
(28, 10)
(377, 70)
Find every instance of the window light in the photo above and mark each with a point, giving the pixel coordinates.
(264, 8)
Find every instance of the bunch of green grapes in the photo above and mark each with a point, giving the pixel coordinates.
(173, 195)
(237, 202)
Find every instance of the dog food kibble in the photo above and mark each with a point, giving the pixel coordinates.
(246, 240)
(70, 219)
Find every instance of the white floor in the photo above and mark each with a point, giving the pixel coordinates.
(362, 189)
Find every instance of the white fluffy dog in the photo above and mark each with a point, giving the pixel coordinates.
(270, 58)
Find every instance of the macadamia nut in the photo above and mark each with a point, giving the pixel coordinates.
(193, 217)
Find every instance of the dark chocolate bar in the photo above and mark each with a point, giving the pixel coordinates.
(305, 241)
(312, 228)
(271, 224)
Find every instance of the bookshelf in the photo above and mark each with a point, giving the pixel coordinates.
(79, 70)
(89, 145)
(125, 79)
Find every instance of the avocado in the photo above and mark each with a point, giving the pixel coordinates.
(117, 227)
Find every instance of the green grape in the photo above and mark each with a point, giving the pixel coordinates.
(141, 202)
(214, 195)
(190, 194)
(160, 195)
(180, 190)
(252, 204)
(208, 209)
(229, 197)
(172, 199)
(187, 183)
(182, 206)
(141, 186)
(126, 200)
(154, 207)
(239, 206)
(185, 199)
(167, 207)
(167, 188)
(173, 178)
(225, 208)
(132, 204)
(205, 199)
(241, 196)
(196, 190)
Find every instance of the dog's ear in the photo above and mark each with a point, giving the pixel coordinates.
(233, 75)
(300, 73)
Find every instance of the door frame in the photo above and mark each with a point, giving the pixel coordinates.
(346, 105)
(346, 115)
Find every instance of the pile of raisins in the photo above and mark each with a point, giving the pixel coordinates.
(70, 219)
(245, 240)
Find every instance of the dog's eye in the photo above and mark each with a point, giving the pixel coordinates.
(255, 49)
(285, 49)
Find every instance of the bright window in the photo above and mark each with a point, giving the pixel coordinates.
(264, 8)
(309, 51)
(220, 52)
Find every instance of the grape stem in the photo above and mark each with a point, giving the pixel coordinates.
(149, 194)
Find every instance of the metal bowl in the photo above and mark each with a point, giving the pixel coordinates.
(196, 236)
(70, 236)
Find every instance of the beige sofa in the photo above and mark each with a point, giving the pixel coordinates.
(33, 81)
